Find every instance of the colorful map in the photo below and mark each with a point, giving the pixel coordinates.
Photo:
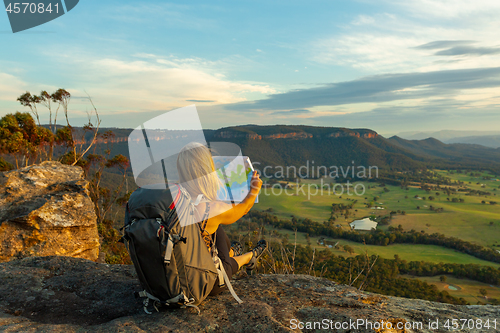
(235, 173)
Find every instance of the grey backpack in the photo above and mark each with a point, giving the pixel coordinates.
(172, 262)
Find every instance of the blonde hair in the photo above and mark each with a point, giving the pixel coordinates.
(197, 171)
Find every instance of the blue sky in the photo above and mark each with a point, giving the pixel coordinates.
(386, 65)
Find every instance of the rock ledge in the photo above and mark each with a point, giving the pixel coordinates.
(64, 294)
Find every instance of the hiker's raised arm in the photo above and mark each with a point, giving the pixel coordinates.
(223, 213)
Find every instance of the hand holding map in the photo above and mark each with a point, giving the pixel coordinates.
(235, 173)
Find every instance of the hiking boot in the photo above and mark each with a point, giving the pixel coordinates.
(257, 252)
(237, 248)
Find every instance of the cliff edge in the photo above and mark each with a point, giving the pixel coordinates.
(64, 294)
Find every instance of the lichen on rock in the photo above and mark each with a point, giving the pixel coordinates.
(45, 210)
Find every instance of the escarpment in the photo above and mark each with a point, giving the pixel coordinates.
(290, 132)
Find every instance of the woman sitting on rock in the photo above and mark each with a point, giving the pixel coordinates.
(197, 175)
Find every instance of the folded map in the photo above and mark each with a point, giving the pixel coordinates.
(235, 173)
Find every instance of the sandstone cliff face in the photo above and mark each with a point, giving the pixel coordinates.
(356, 134)
(292, 135)
(235, 135)
(63, 294)
(45, 210)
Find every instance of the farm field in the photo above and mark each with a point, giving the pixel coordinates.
(470, 220)
(416, 252)
(408, 252)
(467, 289)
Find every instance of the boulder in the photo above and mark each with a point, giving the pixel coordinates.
(63, 294)
(46, 210)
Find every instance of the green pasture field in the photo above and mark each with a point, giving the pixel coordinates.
(472, 181)
(469, 220)
(468, 289)
(408, 252)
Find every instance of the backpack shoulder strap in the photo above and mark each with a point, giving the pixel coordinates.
(207, 238)
(205, 216)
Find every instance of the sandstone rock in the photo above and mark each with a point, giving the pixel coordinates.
(339, 133)
(63, 294)
(46, 210)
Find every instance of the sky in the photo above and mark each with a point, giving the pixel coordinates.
(387, 65)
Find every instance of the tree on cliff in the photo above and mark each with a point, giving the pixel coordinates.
(26, 141)
(22, 138)
(31, 102)
(77, 143)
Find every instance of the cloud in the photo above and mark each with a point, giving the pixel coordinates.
(435, 115)
(200, 100)
(135, 85)
(156, 85)
(11, 87)
(148, 82)
(379, 89)
(442, 44)
(458, 48)
(468, 50)
(403, 35)
(292, 112)
(447, 9)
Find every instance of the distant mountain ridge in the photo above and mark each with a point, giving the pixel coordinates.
(492, 141)
(295, 145)
(342, 146)
(256, 132)
(434, 148)
(443, 135)
(485, 138)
